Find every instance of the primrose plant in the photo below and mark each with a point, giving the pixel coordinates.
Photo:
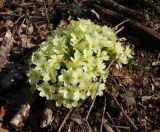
(67, 66)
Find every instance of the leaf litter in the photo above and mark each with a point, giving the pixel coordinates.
(136, 87)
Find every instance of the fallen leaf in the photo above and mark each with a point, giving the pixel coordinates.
(30, 29)
(62, 23)
(156, 63)
(8, 23)
(2, 129)
(127, 80)
(2, 3)
(2, 112)
(129, 98)
(22, 28)
(5, 48)
(21, 115)
(145, 98)
(50, 2)
(26, 42)
(77, 119)
(47, 118)
(117, 73)
(145, 82)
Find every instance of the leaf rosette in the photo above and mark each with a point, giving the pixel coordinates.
(67, 66)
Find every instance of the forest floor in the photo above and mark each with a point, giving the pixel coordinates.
(132, 102)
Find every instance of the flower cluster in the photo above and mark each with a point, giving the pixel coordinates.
(67, 66)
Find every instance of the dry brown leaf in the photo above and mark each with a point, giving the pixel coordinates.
(145, 82)
(2, 112)
(155, 63)
(129, 98)
(127, 80)
(117, 73)
(47, 118)
(5, 48)
(50, 2)
(26, 42)
(77, 119)
(62, 23)
(145, 98)
(2, 129)
(21, 115)
(30, 29)
(8, 23)
(2, 3)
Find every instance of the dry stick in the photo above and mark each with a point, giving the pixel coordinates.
(24, 4)
(65, 119)
(122, 9)
(113, 122)
(46, 11)
(134, 28)
(96, 91)
(40, 17)
(128, 118)
(69, 128)
(119, 30)
(120, 24)
(4, 14)
(123, 127)
(90, 130)
(107, 127)
(19, 19)
(104, 109)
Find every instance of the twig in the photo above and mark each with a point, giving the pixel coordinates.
(124, 127)
(96, 91)
(24, 4)
(119, 30)
(104, 109)
(107, 127)
(19, 19)
(46, 11)
(122, 9)
(113, 122)
(65, 119)
(90, 130)
(69, 128)
(128, 118)
(4, 14)
(120, 24)
(150, 38)
(40, 17)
